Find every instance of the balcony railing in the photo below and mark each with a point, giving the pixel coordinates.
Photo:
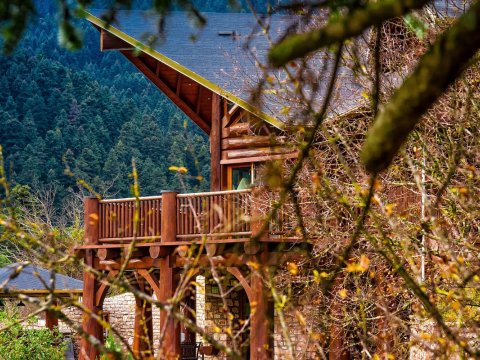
(214, 214)
(222, 215)
(127, 219)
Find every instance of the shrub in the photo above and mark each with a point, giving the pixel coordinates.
(19, 343)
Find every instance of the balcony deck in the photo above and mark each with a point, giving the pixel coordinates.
(173, 219)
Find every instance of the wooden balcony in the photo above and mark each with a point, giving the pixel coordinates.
(175, 219)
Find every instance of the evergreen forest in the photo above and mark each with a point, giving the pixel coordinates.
(69, 117)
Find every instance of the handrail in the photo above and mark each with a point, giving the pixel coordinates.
(211, 193)
(106, 201)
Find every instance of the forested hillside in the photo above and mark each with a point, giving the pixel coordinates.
(92, 112)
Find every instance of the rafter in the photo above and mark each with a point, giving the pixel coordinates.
(182, 105)
(110, 42)
(179, 83)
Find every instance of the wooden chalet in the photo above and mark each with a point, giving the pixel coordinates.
(202, 78)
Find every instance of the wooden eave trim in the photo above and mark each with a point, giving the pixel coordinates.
(14, 293)
(183, 70)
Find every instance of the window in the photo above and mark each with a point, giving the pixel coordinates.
(240, 177)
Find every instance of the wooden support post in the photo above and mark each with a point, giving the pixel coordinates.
(169, 216)
(90, 325)
(216, 144)
(51, 320)
(337, 346)
(143, 328)
(261, 327)
(170, 346)
(90, 285)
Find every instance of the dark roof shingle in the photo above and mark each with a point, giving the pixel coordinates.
(33, 279)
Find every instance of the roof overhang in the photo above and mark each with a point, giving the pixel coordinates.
(139, 46)
(40, 293)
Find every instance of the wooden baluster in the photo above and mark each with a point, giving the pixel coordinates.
(140, 219)
(131, 212)
(208, 211)
(107, 221)
(121, 232)
(100, 220)
(158, 204)
(113, 219)
(117, 220)
(145, 218)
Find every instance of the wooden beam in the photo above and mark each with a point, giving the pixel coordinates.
(254, 152)
(102, 290)
(152, 281)
(179, 84)
(181, 104)
(236, 130)
(235, 271)
(292, 155)
(199, 98)
(111, 42)
(245, 142)
(170, 346)
(216, 144)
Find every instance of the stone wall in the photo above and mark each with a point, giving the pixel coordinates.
(210, 316)
(216, 318)
(120, 310)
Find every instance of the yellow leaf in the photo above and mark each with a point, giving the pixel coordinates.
(365, 95)
(292, 268)
(389, 209)
(181, 169)
(343, 293)
(360, 267)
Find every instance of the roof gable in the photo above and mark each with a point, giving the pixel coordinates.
(215, 60)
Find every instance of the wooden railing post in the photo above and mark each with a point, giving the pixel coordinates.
(92, 219)
(169, 216)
